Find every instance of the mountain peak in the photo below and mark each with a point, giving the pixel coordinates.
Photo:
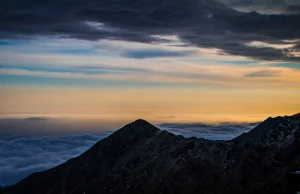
(273, 125)
(137, 128)
(140, 124)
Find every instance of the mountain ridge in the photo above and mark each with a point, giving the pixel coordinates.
(141, 158)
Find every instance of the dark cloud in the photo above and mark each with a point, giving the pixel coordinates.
(294, 8)
(222, 131)
(36, 118)
(143, 54)
(264, 73)
(265, 6)
(21, 157)
(203, 23)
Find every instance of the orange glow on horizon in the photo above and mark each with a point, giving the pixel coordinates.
(155, 105)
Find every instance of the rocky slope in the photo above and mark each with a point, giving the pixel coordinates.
(140, 158)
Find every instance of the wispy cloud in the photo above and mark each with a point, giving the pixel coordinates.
(165, 117)
(263, 73)
(143, 54)
(287, 65)
(164, 72)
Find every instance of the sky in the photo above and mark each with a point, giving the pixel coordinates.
(72, 72)
(161, 60)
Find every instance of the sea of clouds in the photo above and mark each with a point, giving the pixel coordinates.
(22, 155)
(221, 131)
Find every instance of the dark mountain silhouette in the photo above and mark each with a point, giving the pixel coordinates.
(140, 158)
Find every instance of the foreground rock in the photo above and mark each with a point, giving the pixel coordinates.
(140, 158)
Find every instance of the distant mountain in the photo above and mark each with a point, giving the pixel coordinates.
(140, 158)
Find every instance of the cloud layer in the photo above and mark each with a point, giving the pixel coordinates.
(21, 157)
(201, 23)
(22, 154)
(222, 131)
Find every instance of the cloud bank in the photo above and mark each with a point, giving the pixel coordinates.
(222, 131)
(21, 157)
(200, 23)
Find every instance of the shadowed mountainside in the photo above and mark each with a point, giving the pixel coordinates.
(140, 158)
